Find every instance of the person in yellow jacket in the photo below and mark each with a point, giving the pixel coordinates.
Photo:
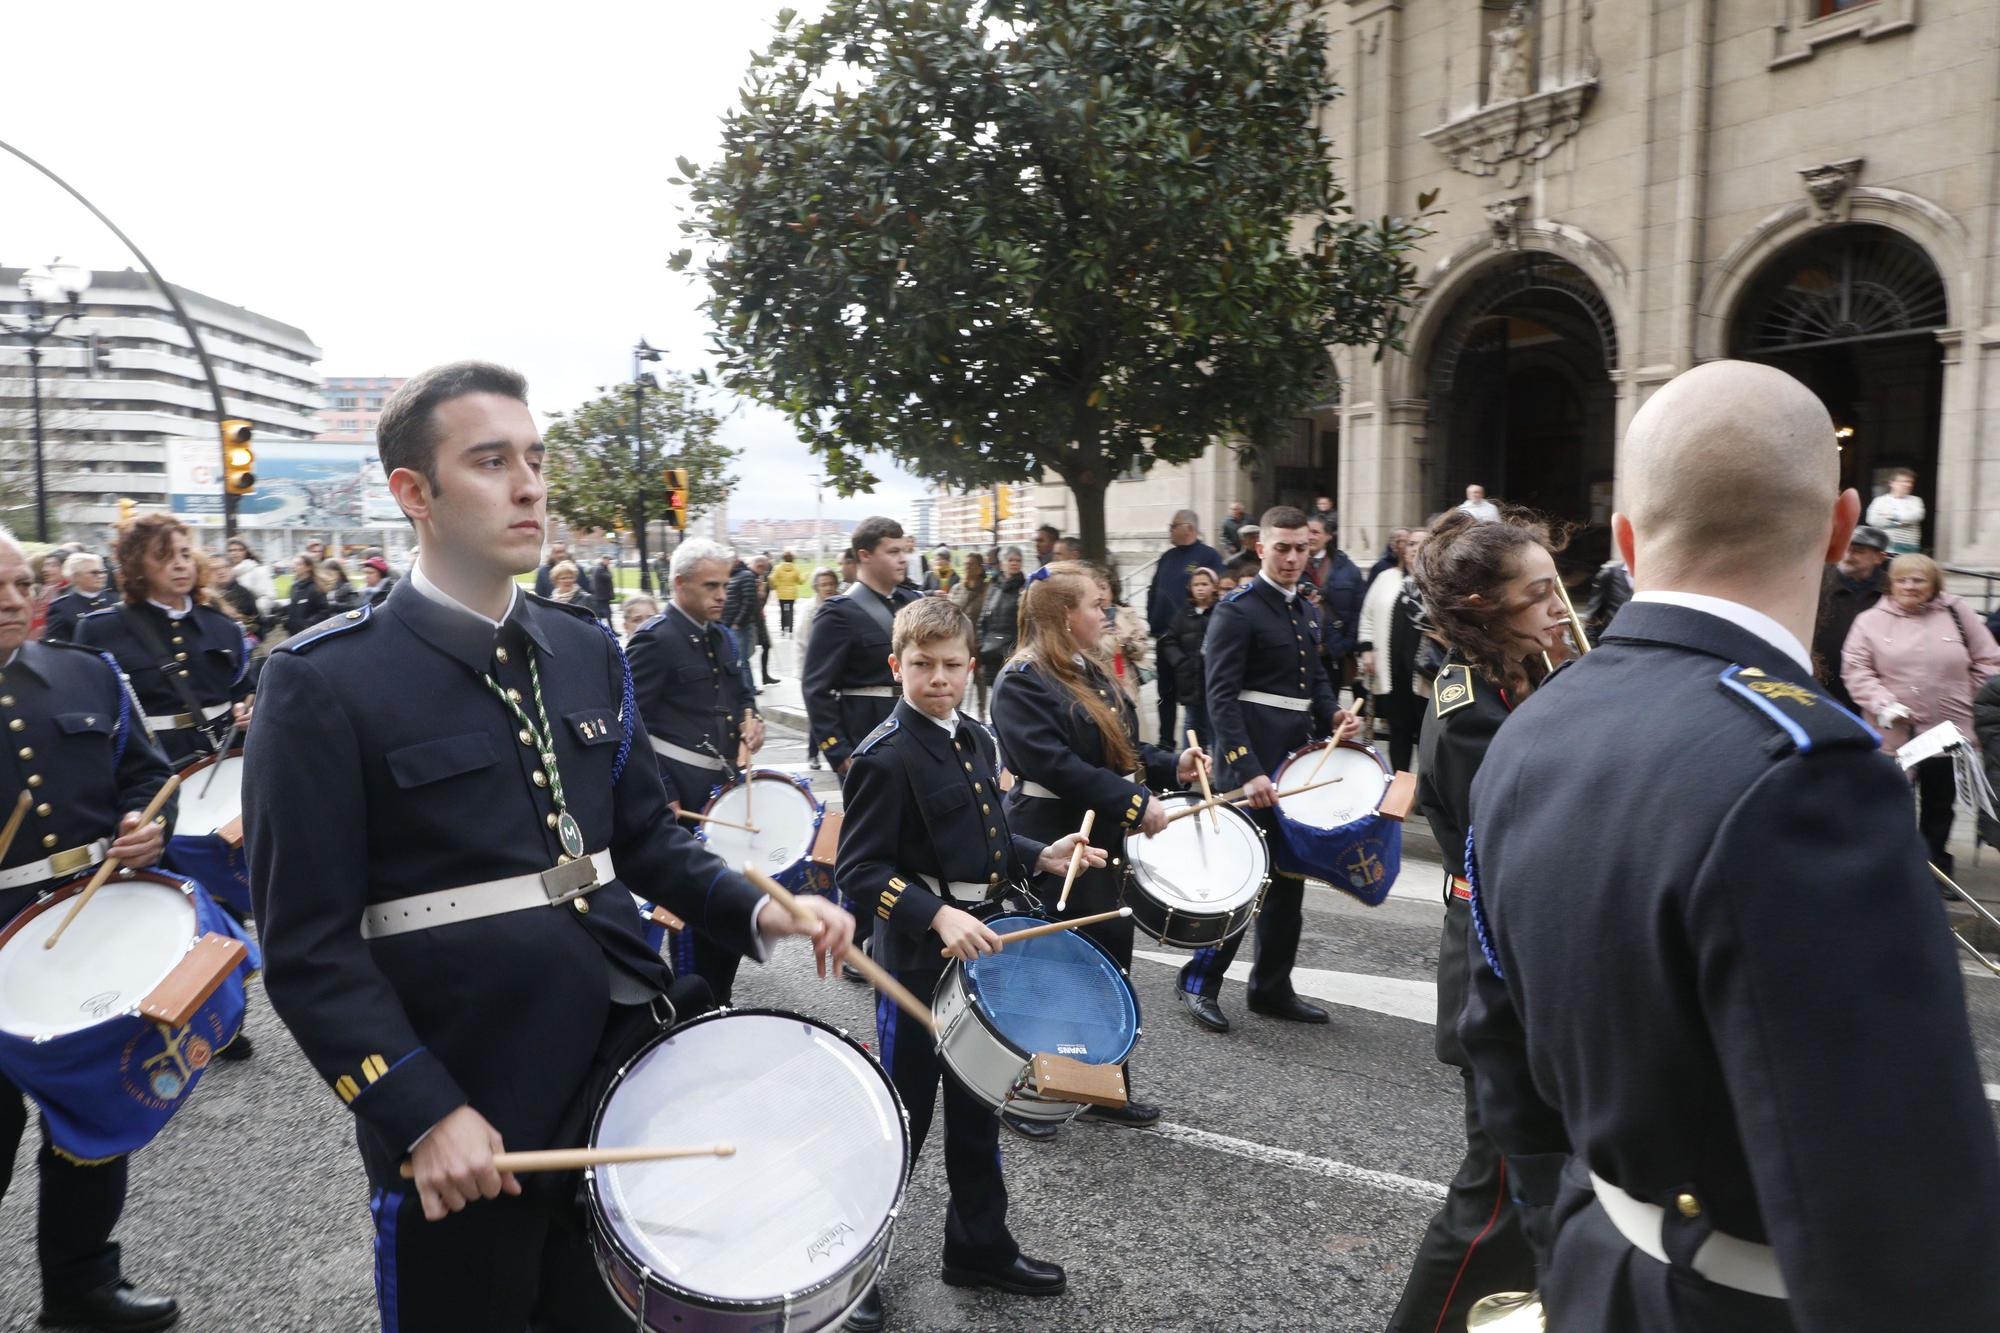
(786, 580)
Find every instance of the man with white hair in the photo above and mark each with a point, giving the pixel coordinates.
(694, 697)
(84, 573)
(1725, 1049)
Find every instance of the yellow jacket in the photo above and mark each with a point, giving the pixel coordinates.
(786, 579)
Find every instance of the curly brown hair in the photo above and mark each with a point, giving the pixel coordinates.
(1459, 570)
(148, 537)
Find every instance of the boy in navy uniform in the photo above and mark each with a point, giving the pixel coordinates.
(1725, 1052)
(77, 744)
(924, 838)
(462, 961)
(1268, 694)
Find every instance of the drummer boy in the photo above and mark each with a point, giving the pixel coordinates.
(924, 839)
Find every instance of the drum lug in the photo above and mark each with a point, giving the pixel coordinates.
(645, 1286)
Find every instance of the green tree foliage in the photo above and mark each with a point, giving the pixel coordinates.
(596, 477)
(988, 237)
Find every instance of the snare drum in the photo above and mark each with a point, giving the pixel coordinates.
(110, 1030)
(1338, 833)
(1059, 994)
(787, 817)
(207, 845)
(1197, 883)
(790, 1232)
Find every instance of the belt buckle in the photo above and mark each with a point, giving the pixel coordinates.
(69, 862)
(571, 879)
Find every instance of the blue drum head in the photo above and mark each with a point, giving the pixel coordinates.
(1060, 994)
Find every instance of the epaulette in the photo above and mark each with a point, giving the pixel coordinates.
(886, 729)
(837, 597)
(326, 629)
(1809, 720)
(649, 622)
(1453, 688)
(100, 611)
(554, 605)
(78, 647)
(1249, 586)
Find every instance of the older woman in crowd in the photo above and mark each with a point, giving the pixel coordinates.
(1913, 660)
(569, 589)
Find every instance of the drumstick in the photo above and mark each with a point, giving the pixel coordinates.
(228, 739)
(877, 975)
(1331, 742)
(14, 821)
(749, 790)
(1236, 798)
(711, 819)
(1036, 932)
(110, 863)
(575, 1159)
(1076, 857)
(1207, 796)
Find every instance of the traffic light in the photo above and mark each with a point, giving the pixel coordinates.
(677, 498)
(985, 511)
(1006, 494)
(126, 509)
(239, 460)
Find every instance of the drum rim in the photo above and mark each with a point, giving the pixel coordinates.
(69, 889)
(197, 765)
(600, 1226)
(1132, 863)
(955, 969)
(1308, 751)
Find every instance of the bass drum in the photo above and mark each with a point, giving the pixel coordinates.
(790, 1232)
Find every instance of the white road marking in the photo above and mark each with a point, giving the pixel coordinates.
(1298, 1161)
(1414, 1000)
(1993, 1092)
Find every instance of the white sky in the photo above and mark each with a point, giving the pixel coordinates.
(409, 183)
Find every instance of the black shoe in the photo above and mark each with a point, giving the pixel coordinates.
(1136, 1114)
(812, 760)
(1020, 1275)
(237, 1051)
(849, 972)
(1206, 1011)
(770, 679)
(867, 1317)
(115, 1305)
(1291, 1009)
(1036, 1131)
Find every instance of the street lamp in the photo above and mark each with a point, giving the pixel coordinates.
(43, 286)
(641, 378)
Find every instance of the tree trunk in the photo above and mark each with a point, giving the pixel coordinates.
(1089, 493)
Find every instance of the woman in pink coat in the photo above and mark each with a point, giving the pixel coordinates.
(1913, 660)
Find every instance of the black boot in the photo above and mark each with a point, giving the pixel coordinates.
(1020, 1275)
(116, 1305)
(867, 1317)
(237, 1050)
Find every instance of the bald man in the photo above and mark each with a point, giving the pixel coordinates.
(1726, 1051)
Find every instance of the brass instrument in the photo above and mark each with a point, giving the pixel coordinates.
(1507, 1312)
(1977, 906)
(1575, 621)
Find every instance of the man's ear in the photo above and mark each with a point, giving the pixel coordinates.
(895, 667)
(1621, 537)
(1846, 515)
(412, 491)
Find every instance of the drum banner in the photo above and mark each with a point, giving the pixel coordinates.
(215, 865)
(1362, 858)
(108, 1089)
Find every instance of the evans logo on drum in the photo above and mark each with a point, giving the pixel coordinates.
(778, 857)
(101, 1005)
(824, 1244)
(1071, 1048)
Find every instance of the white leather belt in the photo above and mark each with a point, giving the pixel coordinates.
(1036, 790)
(182, 721)
(55, 867)
(962, 889)
(517, 893)
(868, 692)
(1742, 1265)
(1287, 702)
(680, 754)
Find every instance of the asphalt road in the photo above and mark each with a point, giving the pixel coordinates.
(1286, 1188)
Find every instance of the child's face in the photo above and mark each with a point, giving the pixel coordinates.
(934, 675)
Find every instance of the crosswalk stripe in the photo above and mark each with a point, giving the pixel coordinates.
(1414, 1000)
(1298, 1161)
(1993, 1092)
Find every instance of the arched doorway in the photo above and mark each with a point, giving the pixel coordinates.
(1521, 397)
(1853, 312)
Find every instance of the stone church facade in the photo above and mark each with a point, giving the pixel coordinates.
(1629, 189)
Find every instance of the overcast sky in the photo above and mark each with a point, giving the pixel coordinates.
(408, 183)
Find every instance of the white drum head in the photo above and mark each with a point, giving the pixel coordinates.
(1197, 866)
(1359, 791)
(820, 1155)
(207, 805)
(114, 953)
(784, 817)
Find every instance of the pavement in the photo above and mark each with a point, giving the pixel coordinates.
(1286, 1187)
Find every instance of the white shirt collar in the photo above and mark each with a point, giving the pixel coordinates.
(950, 724)
(1743, 617)
(10, 659)
(1287, 593)
(700, 625)
(422, 583)
(173, 614)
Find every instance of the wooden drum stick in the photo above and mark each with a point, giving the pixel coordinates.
(14, 821)
(1207, 796)
(1332, 742)
(576, 1159)
(1036, 932)
(700, 818)
(1076, 857)
(111, 862)
(877, 975)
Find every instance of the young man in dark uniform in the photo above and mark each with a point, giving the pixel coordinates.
(1726, 1050)
(1268, 694)
(699, 714)
(847, 683)
(924, 838)
(75, 741)
(464, 965)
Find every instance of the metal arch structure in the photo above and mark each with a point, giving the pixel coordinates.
(1852, 284)
(1533, 273)
(180, 313)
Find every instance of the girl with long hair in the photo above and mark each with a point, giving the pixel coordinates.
(1490, 592)
(1071, 738)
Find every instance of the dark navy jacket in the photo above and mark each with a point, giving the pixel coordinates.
(848, 648)
(71, 607)
(923, 807)
(204, 647)
(1170, 581)
(79, 747)
(689, 682)
(1342, 587)
(378, 725)
(1746, 995)
(1258, 641)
